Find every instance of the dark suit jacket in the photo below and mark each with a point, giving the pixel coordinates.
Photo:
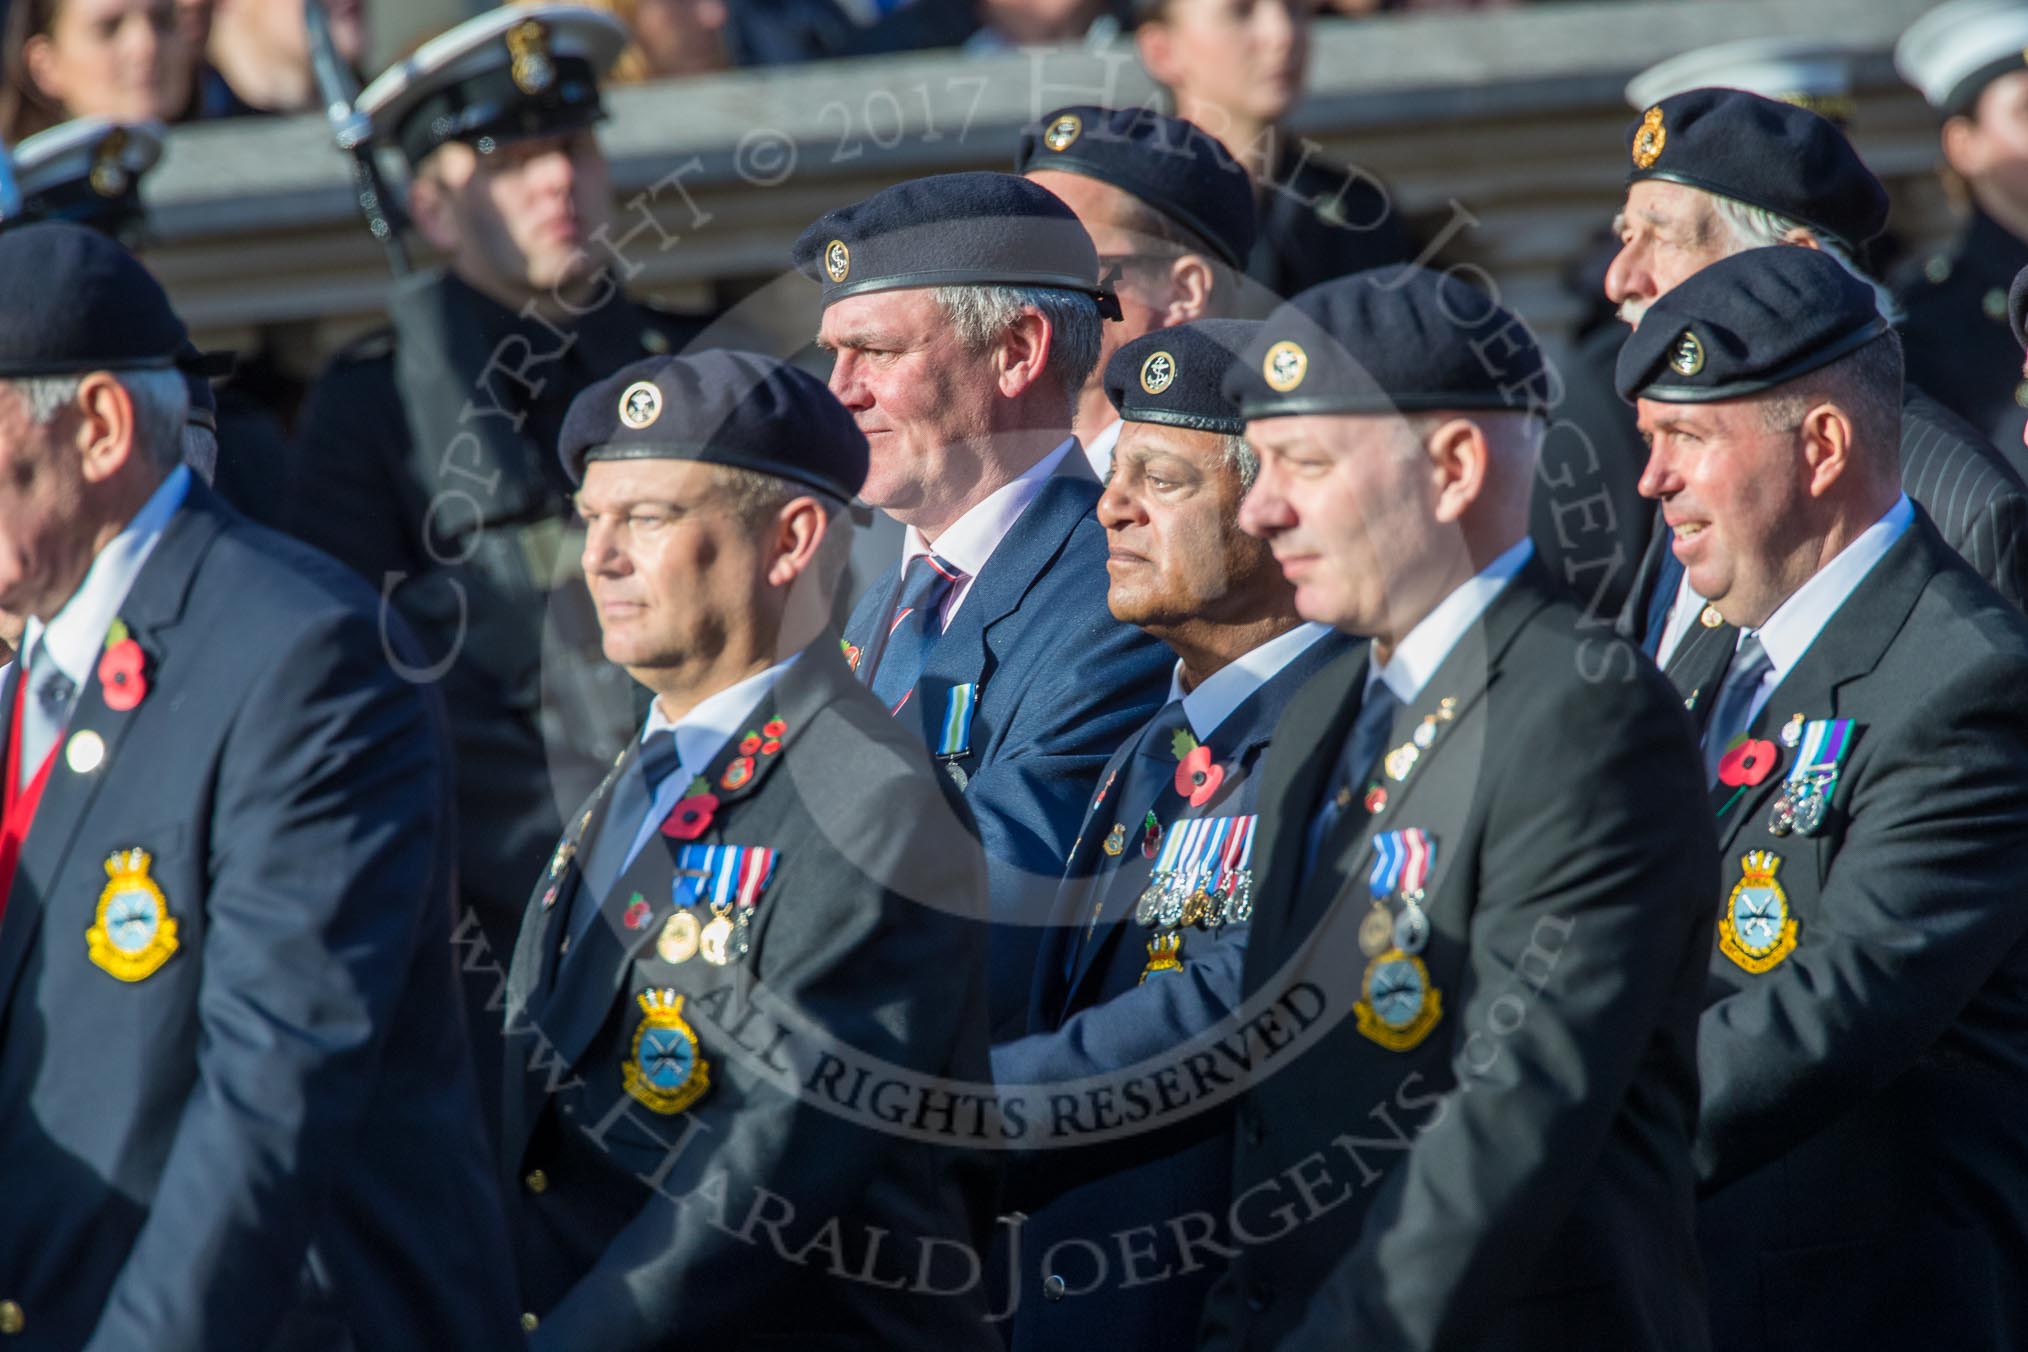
(1094, 1017)
(1520, 1178)
(294, 1078)
(1971, 496)
(1863, 1144)
(1060, 685)
(1956, 335)
(867, 951)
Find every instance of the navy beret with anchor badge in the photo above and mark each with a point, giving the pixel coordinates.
(1400, 338)
(513, 72)
(1176, 376)
(738, 409)
(969, 229)
(1764, 153)
(1745, 324)
(1173, 166)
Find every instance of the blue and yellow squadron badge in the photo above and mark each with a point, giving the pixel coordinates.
(1757, 932)
(134, 934)
(664, 1071)
(1398, 1005)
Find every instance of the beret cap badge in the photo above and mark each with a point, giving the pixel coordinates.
(109, 176)
(1063, 132)
(1285, 366)
(837, 260)
(1158, 372)
(640, 404)
(531, 68)
(1686, 356)
(1650, 139)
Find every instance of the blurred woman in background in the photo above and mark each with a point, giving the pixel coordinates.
(125, 60)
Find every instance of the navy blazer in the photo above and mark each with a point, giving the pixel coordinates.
(1093, 1016)
(1060, 685)
(276, 1126)
(1862, 1134)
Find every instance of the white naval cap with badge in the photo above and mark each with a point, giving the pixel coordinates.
(1811, 73)
(87, 171)
(513, 72)
(1953, 52)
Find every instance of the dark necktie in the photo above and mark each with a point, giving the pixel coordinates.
(1732, 710)
(633, 794)
(1363, 746)
(1699, 661)
(913, 629)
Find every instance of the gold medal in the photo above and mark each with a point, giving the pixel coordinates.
(678, 940)
(1376, 931)
(1196, 907)
(715, 943)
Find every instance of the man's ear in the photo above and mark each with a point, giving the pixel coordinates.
(1021, 353)
(1191, 281)
(105, 431)
(1964, 147)
(1460, 457)
(1827, 438)
(799, 529)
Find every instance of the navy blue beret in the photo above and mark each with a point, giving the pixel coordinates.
(1399, 338)
(1762, 152)
(1745, 324)
(737, 409)
(72, 300)
(1177, 376)
(1172, 165)
(2017, 307)
(972, 229)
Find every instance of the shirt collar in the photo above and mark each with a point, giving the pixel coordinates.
(76, 635)
(1794, 626)
(973, 537)
(1225, 689)
(715, 721)
(1416, 658)
(1099, 450)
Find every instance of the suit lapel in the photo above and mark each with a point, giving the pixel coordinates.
(1848, 647)
(962, 655)
(1086, 875)
(593, 974)
(151, 610)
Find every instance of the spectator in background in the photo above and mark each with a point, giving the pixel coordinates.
(260, 54)
(674, 38)
(1235, 68)
(986, 26)
(123, 60)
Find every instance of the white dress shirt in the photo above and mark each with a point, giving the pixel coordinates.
(76, 635)
(700, 735)
(1794, 626)
(973, 537)
(1416, 658)
(1100, 449)
(1225, 689)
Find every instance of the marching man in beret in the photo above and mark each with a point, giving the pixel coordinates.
(1483, 845)
(1152, 917)
(1171, 214)
(236, 1096)
(1862, 1141)
(760, 938)
(964, 312)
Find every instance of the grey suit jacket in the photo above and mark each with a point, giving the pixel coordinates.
(1510, 1169)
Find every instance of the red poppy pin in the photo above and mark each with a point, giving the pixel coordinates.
(123, 682)
(1197, 778)
(638, 912)
(1747, 764)
(690, 818)
(851, 654)
(772, 730)
(749, 744)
